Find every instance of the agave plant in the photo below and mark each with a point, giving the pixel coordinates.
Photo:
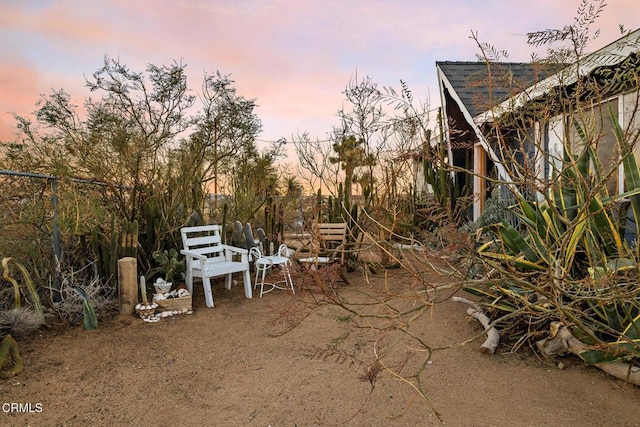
(568, 259)
(8, 345)
(25, 286)
(88, 312)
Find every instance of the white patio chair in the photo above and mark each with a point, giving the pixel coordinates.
(207, 257)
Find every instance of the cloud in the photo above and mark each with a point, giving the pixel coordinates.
(19, 86)
(74, 22)
(294, 57)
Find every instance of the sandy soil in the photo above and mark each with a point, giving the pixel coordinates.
(294, 360)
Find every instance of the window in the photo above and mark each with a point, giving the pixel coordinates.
(631, 118)
(596, 122)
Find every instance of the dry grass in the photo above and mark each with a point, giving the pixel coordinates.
(19, 322)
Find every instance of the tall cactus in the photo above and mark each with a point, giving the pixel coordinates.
(353, 235)
(273, 223)
(318, 204)
(151, 214)
(444, 191)
(225, 214)
(129, 239)
(111, 245)
(237, 235)
(353, 221)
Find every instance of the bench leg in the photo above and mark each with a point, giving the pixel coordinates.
(247, 284)
(287, 276)
(227, 281)
(208, 295)
(255, 282)
(189, 281)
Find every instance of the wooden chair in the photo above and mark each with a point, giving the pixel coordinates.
(328, 242)
(327, 245)
(207, 257)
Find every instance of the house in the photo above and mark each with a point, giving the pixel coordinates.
(503, 117)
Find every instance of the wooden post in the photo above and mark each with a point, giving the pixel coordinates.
(128, 284)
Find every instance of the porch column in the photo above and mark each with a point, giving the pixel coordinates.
(479, 173)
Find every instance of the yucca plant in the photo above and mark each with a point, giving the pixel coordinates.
(568, 259)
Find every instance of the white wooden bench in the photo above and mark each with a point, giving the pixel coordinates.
(207, 257)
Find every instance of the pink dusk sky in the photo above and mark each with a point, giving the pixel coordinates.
(295, 57)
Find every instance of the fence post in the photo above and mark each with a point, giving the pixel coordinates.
(127, 284)
(57, 252)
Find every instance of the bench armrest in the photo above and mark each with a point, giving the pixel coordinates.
(230, 251)
(235, 249)
(191, 254)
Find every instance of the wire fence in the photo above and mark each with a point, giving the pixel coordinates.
(30, 224)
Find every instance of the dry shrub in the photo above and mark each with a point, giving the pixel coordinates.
(19, 322)
(102, 297)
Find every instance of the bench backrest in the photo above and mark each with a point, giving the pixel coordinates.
(203, 240)
(332, 236)
(332, 232)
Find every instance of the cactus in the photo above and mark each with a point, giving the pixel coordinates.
(237, 235)
(353, 234)
(354, 231)
(109, 246)
(105, 248)
(151, 214)
(444, 192)
(9, 348)
(273, 223)
(169, 264)
(318, 204)
(342, 197)
(249, 240)
(128, 239)
(110, 252)
(280, 224)
(225, 214)
(262, 238)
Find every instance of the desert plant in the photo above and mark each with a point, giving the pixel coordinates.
(170, 265)
(9, 347)
(569, 260)
(95, 296)
(19, 322)
(88, 312)
(27, 286)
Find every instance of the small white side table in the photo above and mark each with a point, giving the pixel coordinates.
(265, 263)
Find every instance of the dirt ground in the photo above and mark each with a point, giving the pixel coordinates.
(294, 360)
